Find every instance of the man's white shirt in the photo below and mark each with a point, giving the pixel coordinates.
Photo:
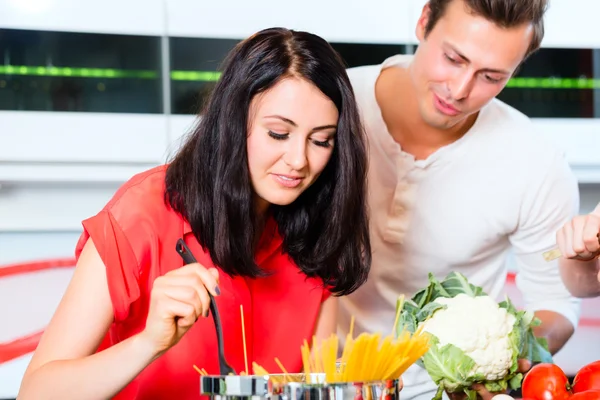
(502, 188)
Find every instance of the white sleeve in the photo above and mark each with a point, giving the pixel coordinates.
(552, 199)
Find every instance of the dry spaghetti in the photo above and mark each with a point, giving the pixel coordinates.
(368, 357)
(277, 378)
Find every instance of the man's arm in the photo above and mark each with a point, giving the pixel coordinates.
(555, 327)
(579, 243)
(551, 199)
(582, 278)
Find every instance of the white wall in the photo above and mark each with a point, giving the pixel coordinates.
(59, 168)
(28, 301)
(137, 17)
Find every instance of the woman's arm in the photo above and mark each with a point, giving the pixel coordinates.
(64, 365)
(327, 321)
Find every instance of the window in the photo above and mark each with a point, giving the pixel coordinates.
(68, 71)
(195, 62)
(194, 66)
(357, 54)
(71, 71)
(557, 83)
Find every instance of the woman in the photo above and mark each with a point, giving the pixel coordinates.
(268, 193)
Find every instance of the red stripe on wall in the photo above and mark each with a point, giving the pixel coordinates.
(19, 347)
(27, 344)
(24, 268)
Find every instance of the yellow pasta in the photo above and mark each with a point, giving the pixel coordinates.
(368, 357)
(244, 338)
(200, 371)
(258, 370)
(276, 378)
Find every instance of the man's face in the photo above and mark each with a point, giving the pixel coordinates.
(463, 63)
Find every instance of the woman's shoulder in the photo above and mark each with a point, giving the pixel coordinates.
(142, 192)
(128, 232)
(140, 212)
(135, 218)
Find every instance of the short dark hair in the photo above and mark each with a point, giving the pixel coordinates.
(504, 13)
(325, 231)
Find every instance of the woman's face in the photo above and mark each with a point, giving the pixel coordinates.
(292, 131)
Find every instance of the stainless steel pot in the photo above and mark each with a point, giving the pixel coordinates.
(273, 387)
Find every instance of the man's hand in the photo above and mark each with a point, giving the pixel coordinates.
(482, 392)
(579, 243)
(578, 238)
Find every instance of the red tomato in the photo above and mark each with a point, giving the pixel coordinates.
(587, 378)
(546, 382)
(587, 395)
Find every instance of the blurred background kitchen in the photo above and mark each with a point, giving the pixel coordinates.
(93, 92)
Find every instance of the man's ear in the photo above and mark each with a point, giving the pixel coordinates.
(422, 22)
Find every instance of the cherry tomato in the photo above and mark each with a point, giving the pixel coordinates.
(587, 378)
(587, 395)
(546, 382)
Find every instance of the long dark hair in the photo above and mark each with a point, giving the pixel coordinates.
(325, 230)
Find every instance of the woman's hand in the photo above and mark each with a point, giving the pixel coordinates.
(177, 300)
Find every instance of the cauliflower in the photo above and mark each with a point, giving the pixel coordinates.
(485, 340)
(474, 339)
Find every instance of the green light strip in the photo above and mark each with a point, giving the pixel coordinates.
(108, 73)
(197, 76)
(554, 83)
(213, 76)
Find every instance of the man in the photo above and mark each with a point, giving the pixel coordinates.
(458, 179)
(579, 243)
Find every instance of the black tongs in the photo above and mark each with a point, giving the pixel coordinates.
(188, 258)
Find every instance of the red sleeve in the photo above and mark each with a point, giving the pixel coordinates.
(122, 267)
(326, 294)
